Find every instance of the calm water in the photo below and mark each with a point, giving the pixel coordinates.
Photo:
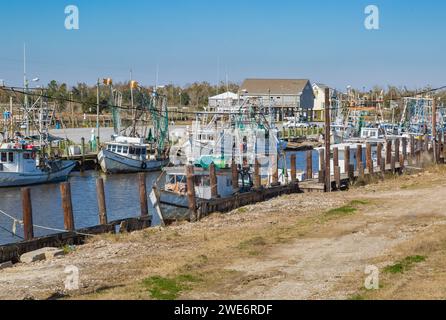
(122, 200)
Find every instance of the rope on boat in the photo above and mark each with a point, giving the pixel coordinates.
(20, 222)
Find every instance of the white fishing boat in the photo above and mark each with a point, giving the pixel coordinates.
(19, 166)
(126, 155)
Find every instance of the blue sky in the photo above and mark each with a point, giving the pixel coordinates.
(202, 40)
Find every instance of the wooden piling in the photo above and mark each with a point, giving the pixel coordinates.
(100, 194)
(361, 172)
(388, 151)
(379, 152)
(337, 176)
(397, 150)
(27, 209)
(213, 181)
(382, 166)
(191, 192)
(369, 161)
(358, 155)
(434, 131)
(404, 142)
(143, 194)
(257, 178)
(67, 206)
(401, 162)
(346, 159)
(327, 141)
(351, 173)
(412, 149)
(393, 164)
(309, 164)
(234, 175)
(336, 157)
(275, 167)
(293, 169)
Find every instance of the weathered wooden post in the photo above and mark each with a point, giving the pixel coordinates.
(336, 157)
(404, 141)
(98, 144)
(143, 194)
(275, 168)
(309, 164)
(388, 151)
(213, 180)
(358, 156)
(412, 149)
(100, 194)
(67, 206)
(351, 173)
(369, 161)
(234, 175)
(361, 171)
(293, 169)
(327, 141)
(191, 192)
(382, 166)
(397, 150)
(257, 178)
(28, 227)
(401, 162)
(346, 159)
(379, 152)
(434, 130)
(337, 177)
(322, 166)
(393, 164)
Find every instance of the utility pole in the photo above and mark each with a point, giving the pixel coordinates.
(97, 109)
(327, 141)
(434, 129)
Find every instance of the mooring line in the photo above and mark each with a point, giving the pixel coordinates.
(15, 221)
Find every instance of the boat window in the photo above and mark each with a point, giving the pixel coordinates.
(132, 150)
(137, 151)
(26, 156)
(114, 148)
(119, 149)
(143, 151)
(3, 157)
(11, 157)
(181, 179)
(171, 180)
(125, 150)
(109, 147)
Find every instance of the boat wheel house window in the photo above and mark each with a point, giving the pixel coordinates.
(3, 157)
(11, 157)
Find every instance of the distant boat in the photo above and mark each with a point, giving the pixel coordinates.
(19, 167)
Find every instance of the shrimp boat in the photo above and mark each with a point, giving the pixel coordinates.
(20, 166)
(132, 153)
(174, 192)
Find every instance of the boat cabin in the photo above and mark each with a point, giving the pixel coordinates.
(176, 182)
(138, 152)
(17, 158)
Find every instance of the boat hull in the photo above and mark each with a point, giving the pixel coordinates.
(18, 179)
(111, 162)
(173, 199)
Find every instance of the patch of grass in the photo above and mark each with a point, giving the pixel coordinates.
(161, 288)
(67, 249)
(253, 242)
(404, 265)
(348, 209)
(242, 210)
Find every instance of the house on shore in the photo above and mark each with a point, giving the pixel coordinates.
(289, 97)
(319, 101)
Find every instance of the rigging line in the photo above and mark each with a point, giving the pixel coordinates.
(10, 232)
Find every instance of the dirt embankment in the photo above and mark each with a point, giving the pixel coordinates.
(307, 246)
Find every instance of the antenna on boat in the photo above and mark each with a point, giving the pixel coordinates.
(25, 85)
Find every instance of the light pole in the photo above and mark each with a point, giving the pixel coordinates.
(97, 108)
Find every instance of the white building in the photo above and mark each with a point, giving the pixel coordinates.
(227, 99)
